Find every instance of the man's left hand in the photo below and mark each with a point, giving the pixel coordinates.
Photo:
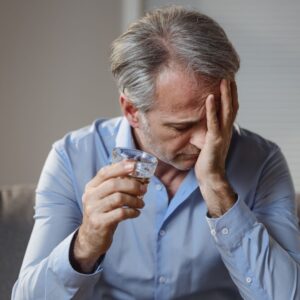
(210, 166)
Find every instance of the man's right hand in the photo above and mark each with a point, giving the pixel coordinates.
(109, 198)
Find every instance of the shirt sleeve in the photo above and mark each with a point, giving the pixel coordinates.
(46, 272)
(260, 246)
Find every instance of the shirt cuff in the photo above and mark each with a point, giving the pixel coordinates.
(61, 266)
(229, 229)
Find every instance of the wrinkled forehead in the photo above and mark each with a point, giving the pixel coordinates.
(178, 90)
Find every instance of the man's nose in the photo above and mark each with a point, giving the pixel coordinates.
(198, 138)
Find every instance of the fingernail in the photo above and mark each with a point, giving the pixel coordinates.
(211, 98)
(129, 166)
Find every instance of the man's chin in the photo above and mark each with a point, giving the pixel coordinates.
(185, 164)
(181, 162)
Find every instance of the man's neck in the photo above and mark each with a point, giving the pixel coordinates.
(171, 178)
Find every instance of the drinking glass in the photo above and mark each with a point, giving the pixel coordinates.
(145, 163)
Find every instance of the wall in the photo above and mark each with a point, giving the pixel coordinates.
(54, 71)
(54, 76)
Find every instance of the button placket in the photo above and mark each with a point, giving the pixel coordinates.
(162, 279)
(248, 280)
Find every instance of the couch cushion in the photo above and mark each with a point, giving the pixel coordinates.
(16, 222)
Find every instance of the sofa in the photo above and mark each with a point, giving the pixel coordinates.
(16, 222)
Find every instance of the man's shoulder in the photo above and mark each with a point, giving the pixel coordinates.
(250, 156)
(250, 146)
(99, 131)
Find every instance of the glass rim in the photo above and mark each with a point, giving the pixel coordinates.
(151, 156)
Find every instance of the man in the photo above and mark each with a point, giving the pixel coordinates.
(217, 221)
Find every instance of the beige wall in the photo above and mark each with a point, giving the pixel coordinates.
(54, 76)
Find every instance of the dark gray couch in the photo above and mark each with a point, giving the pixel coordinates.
(16, 221)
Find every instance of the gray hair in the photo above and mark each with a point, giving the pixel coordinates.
(171, 34)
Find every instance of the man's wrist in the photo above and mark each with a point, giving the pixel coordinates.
(218, 195)
(79, 260)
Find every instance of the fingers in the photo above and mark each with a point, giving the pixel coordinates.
(115, 216)
(112, 209)
(126, 185)
(119, 200)
(211, 115)
(112, 192)
(235, 103)
(119, 169)
(229, 103)
(226, 104)
(228, 110)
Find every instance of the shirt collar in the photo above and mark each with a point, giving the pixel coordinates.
(124, 136)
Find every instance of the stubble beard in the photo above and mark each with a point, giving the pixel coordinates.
(156, 148)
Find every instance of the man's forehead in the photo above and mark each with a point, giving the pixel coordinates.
(177, 90)
(183, 116)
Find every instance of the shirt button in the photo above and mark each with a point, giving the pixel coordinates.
(162, 279)
(162, 233)
(225, 230)
(213, 232)
(248, 279)
(158, 187)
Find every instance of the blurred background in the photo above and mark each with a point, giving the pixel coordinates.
(55, 76)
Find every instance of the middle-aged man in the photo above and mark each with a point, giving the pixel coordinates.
(217, 221)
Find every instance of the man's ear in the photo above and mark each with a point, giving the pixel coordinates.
(129, 111)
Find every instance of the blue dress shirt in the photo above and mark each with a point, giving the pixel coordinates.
(172, 250)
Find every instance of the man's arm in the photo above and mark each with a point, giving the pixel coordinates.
(63, 262)
(46, 269)
(261, 248)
